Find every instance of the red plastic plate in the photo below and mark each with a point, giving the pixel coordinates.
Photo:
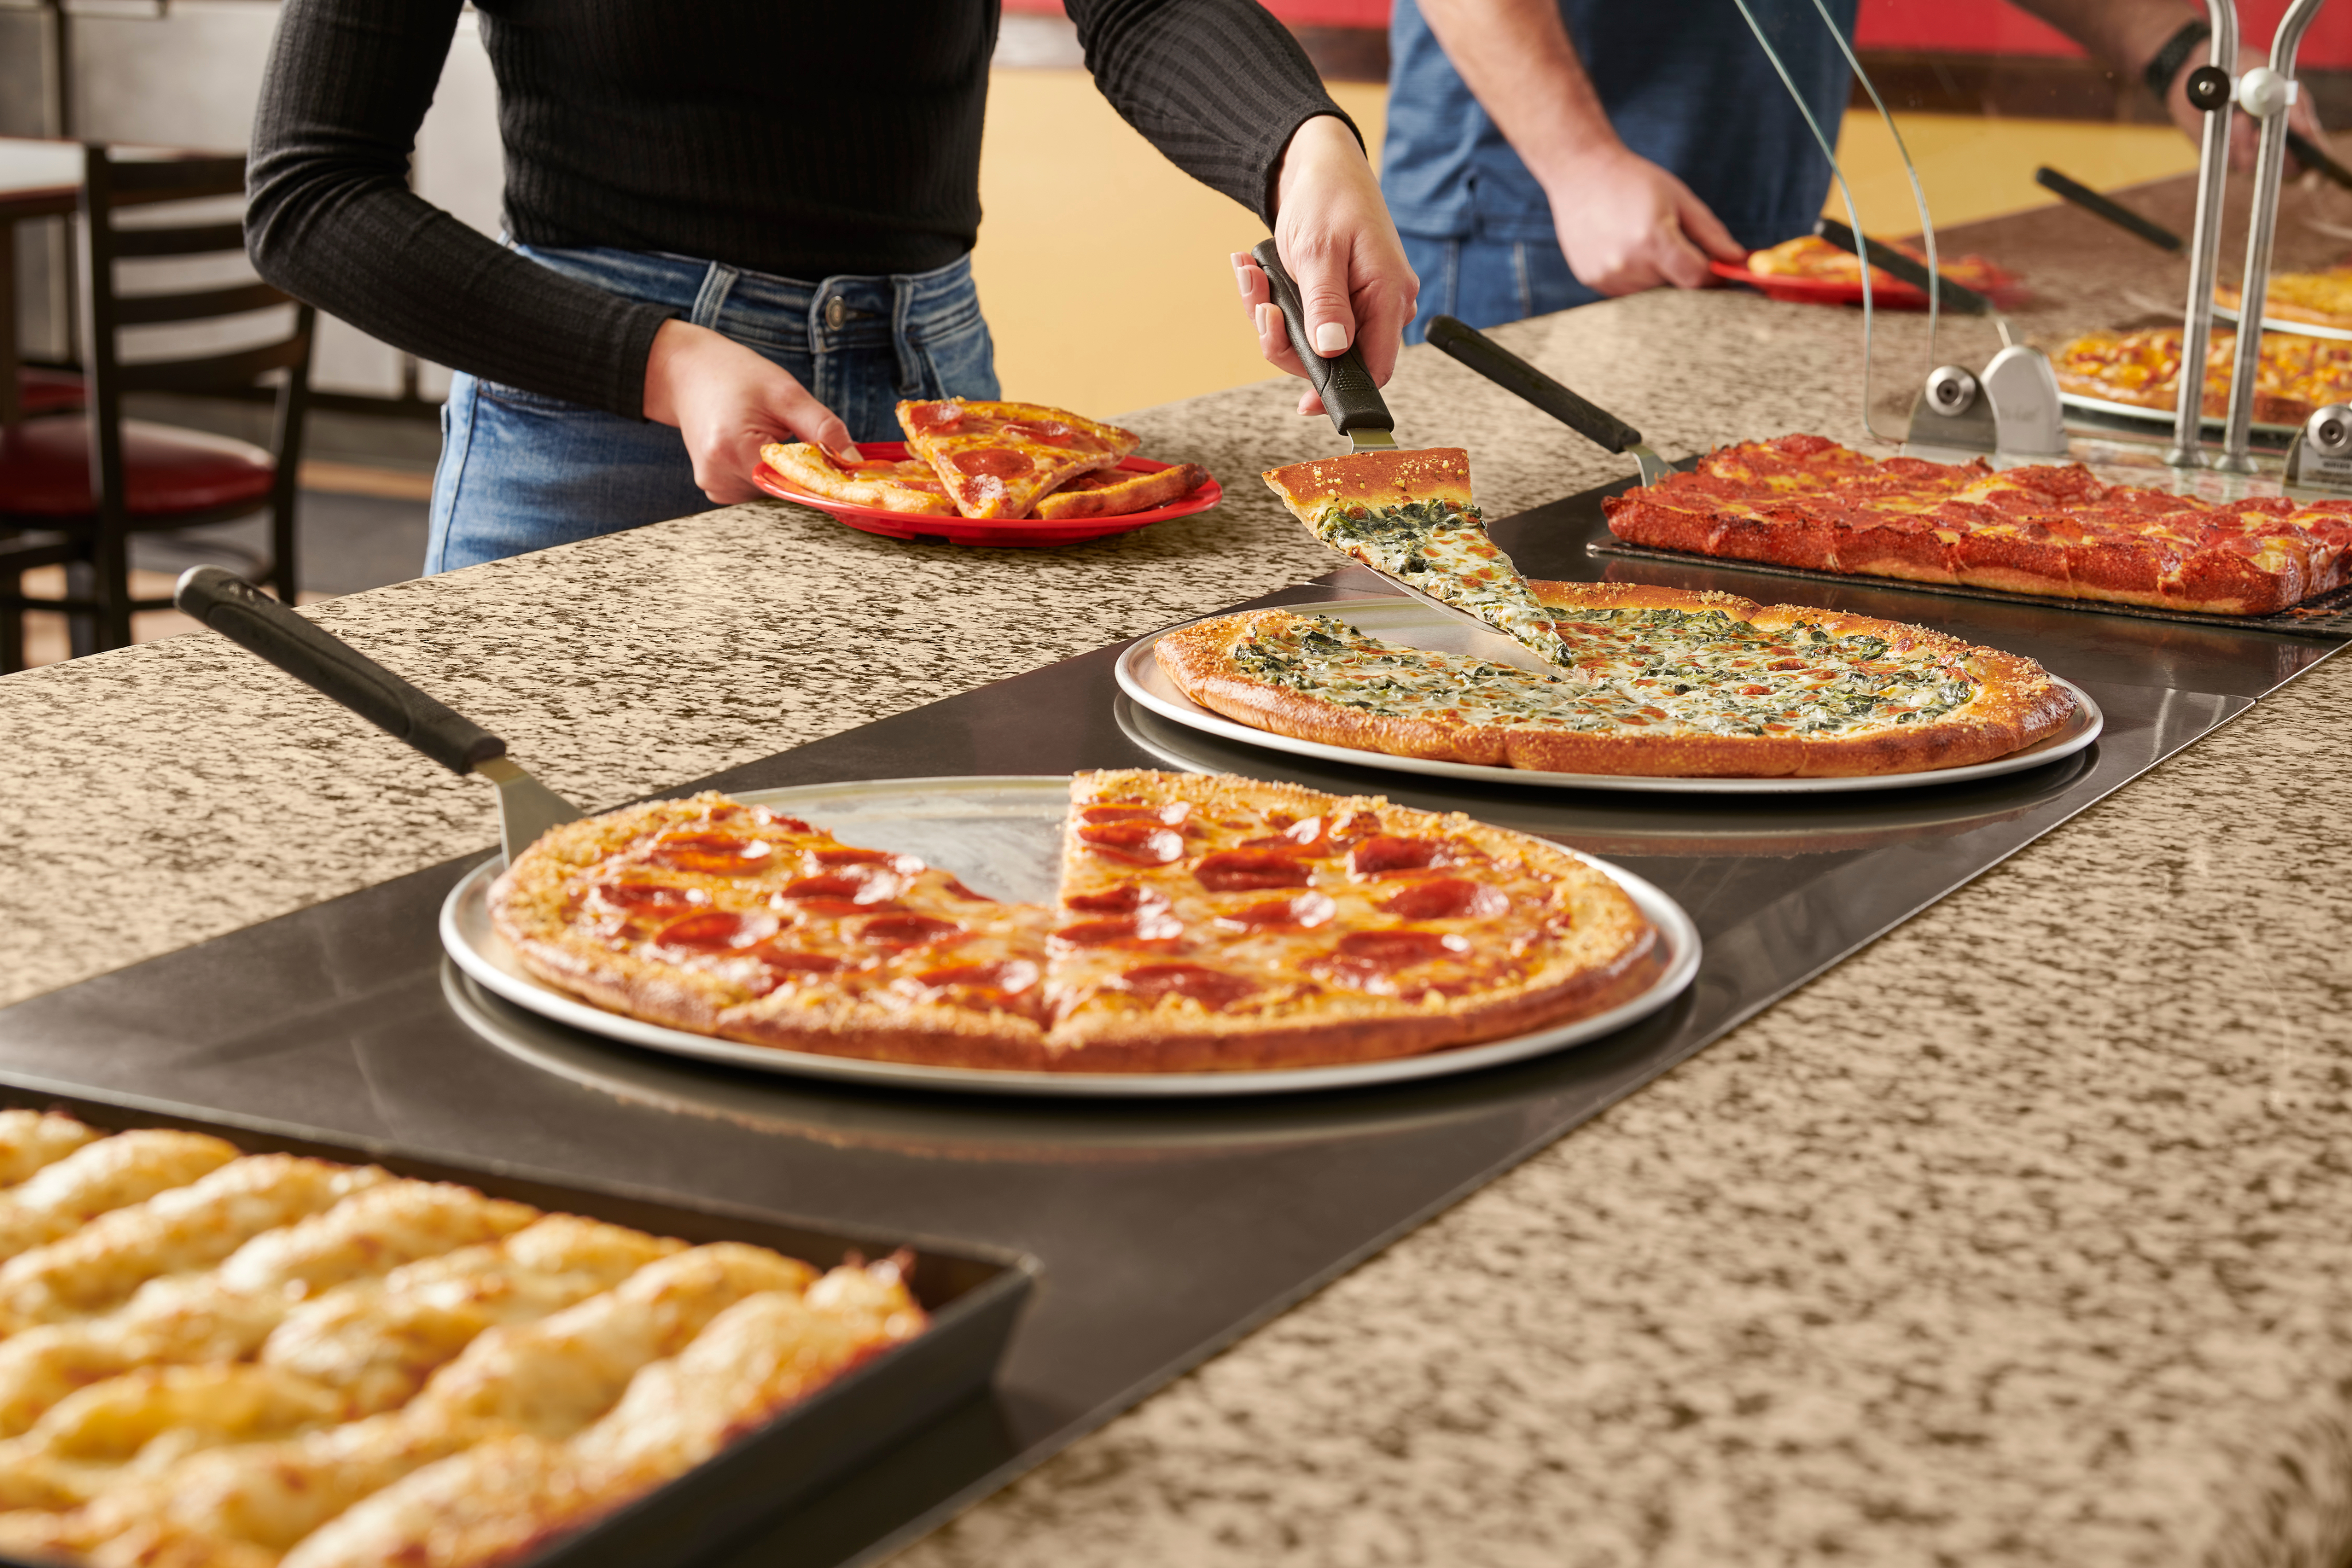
(2006, 288)
(1013, 531)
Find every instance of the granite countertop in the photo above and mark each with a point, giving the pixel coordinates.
(2015, 1238)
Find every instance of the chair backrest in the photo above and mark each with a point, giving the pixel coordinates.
(112, 183)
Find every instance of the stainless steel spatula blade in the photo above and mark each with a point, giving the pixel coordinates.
(1514, 374)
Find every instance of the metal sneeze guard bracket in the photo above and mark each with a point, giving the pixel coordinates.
(2266, 93)
(2205, 246)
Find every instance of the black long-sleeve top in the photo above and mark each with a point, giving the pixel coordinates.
(802, 138)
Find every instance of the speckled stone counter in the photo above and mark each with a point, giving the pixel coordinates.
(2019, 1238)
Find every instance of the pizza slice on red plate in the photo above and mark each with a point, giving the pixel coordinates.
(902, 485)
(1115, 491)
(999, 459)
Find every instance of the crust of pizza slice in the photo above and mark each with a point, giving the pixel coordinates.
(998, 459)
(1211, 923)
(901, 486)
(1408, 516)
(1666, 682)
(1117, 492)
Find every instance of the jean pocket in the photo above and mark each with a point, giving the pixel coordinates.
(528, 401)
(962, 362)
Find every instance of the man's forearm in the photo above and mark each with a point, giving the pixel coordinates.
(1516, 57)
(2124, 33)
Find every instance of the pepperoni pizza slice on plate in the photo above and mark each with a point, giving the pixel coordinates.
(999, 459)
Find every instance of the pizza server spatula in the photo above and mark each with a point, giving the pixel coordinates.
(1359, 413)
(260, 624)
(1514, 374)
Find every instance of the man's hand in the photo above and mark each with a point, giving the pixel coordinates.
(729, 402)
(1627, 224)
(1332, 231)
(2245, 130)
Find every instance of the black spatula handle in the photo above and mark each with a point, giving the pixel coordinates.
(1514, 374)
(1959, 301)
(1343, 383)
(260, 624)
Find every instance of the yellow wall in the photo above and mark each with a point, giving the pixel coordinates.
(1103, 268)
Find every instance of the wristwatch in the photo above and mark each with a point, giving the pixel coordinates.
(2166, 65)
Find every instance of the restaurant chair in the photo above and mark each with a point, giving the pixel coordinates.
(40, 391)
(75, 487)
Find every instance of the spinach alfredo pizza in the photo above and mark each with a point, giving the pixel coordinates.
(1658, 682)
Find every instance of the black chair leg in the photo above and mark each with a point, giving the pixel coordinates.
(114, 571)
(282, 574)
(11, 626)
(81, 625)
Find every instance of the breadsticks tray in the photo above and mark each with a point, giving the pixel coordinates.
(227, 1341)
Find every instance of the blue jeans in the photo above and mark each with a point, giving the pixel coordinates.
(1486, 282)
(520, 471)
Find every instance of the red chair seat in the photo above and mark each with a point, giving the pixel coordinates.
(45, 469)
(49, 392)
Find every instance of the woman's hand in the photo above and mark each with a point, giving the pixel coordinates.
(729, 402)
(1332, 231)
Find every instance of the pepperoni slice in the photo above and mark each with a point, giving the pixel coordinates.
(716, 854)
(1384, 853)
(954, 888)
(1124, 899)
(930, 418)
(1242, 871)
(1139, 843)
(716, 931)
(992, 462)
(847, 856)
(1212, 988)
(777, 819)
(831, 907)
(647, 900)
(906, 930)
(1399, 948)
(861, 884)
(1303, 913)
(787, 964)
(1447, 898)
(1148, 927)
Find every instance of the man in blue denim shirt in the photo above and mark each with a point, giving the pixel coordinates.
(1546, 153)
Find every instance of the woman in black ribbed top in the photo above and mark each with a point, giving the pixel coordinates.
(681, 174)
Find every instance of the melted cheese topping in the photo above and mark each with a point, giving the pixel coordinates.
(1652, 672)
(1443, 550)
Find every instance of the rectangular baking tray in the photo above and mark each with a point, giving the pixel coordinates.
(2327, 616)
(973, 1296)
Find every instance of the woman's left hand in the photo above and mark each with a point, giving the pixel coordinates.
(1332, 231)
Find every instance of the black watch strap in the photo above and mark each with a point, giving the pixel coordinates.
(2166, 65)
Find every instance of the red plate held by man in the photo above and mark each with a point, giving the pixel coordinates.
(1000, 531)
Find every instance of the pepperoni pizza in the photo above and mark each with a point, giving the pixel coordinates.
(999, 459)
(1804, 501)
(899, 485)
(1204, 924)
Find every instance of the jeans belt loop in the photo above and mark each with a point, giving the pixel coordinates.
(712, 297)
(902, 305)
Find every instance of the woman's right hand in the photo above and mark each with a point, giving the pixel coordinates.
(728, 403)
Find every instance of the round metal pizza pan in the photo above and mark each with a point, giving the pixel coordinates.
(2229, 313)
(2157, 418)
(1417, 626)
(1002, 836)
